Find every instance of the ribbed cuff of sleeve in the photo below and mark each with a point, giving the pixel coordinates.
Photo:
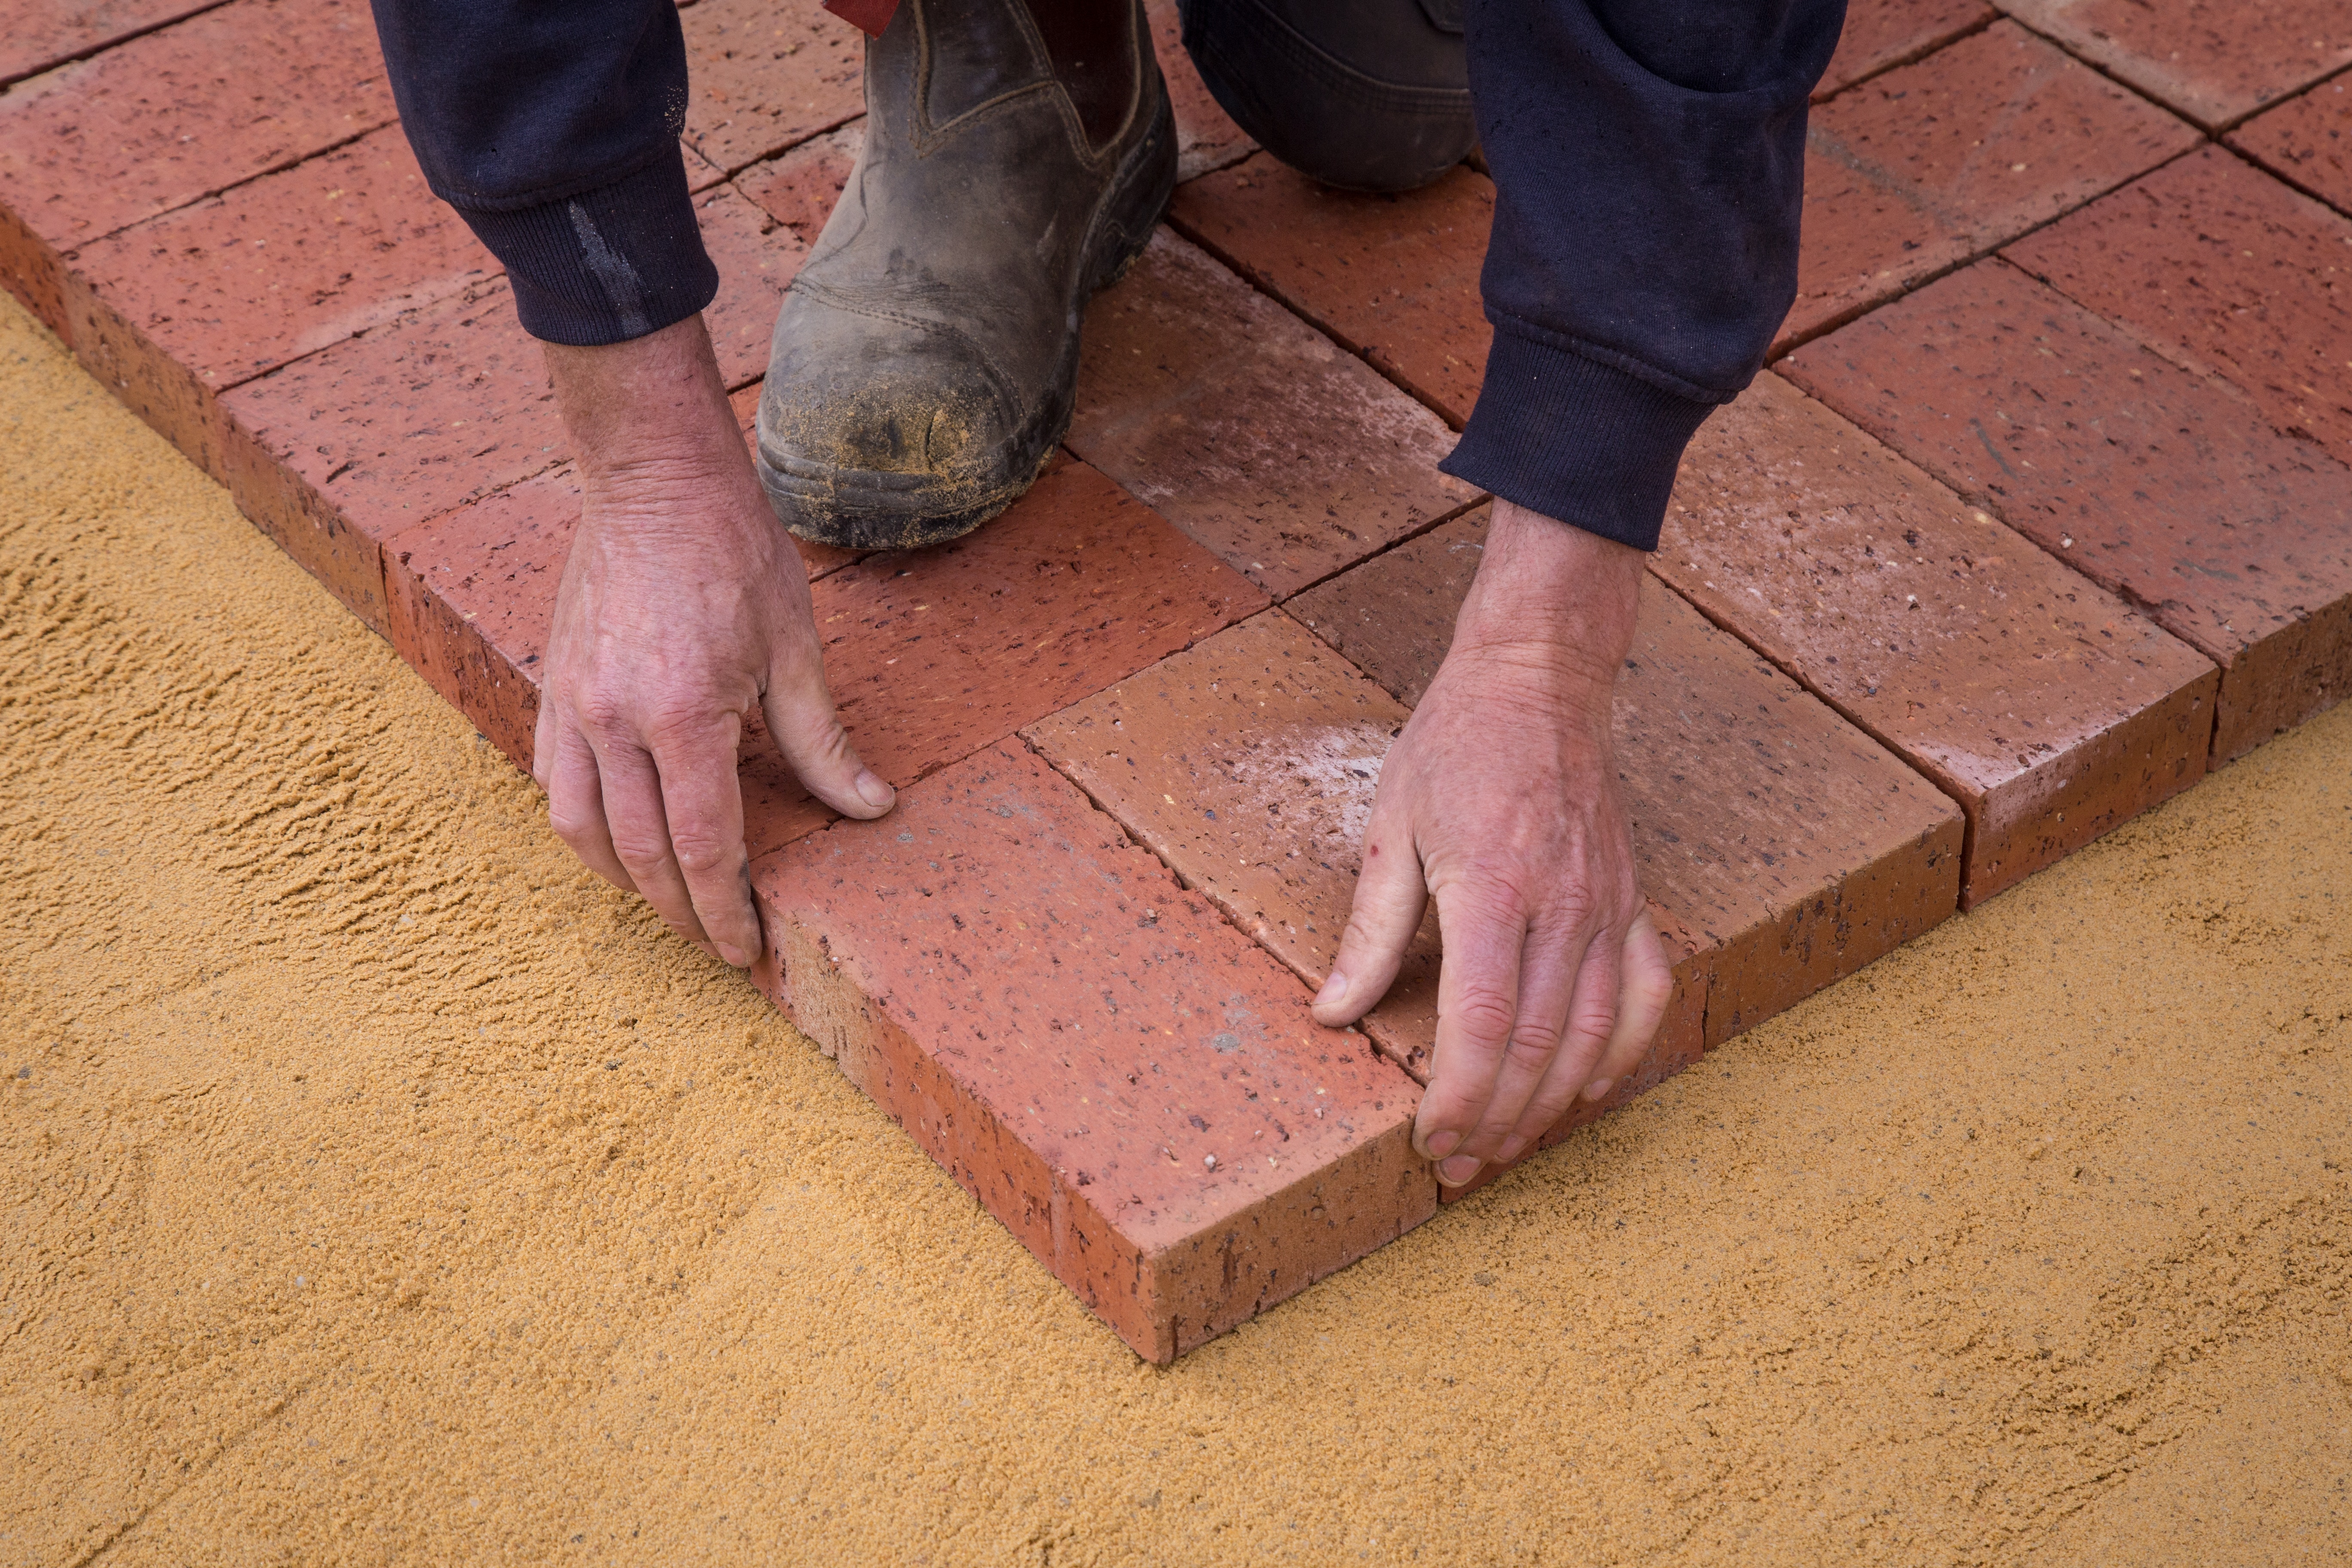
(606, 265)
(1575, 439)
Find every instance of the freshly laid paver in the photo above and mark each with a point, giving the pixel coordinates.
(930, 654)
(764, 76)
(174, 311)
(1792, 847)
(1394, 279)
(1248, 764)
(38, 33)
(2216, 61)
(799, 186)
(1883, 33)
(2218, 267)
(2038, 701)
(1133, 1088)
(2164, 487)
(2308, 140)
(1918, 170)
(1248, 428)
(338, 452)
(172, 116)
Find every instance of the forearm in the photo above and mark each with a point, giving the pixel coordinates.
(1648, 159)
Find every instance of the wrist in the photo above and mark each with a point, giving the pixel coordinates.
(651, 412)
(1551, 596)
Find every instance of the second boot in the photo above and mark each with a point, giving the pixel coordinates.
(925, 358)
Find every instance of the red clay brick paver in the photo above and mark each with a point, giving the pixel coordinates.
(1248, 764)
(2218, 267)
(1126, 1083)
(930, 654)
(764, 76)
(1920, 169)
(38, 33)
(172, 116)
(336, 453)
(171, 312)
(1792, 847)
(2040, 703)
(2156, 484)
(1393, 278)
(756, 257)
(1883, 33)
(798, 187)
(1247, 429)
(2213, 60)
(2307, 141)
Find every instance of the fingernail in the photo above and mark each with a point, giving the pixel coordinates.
(1511, 1150)
(1599, 1087)
(1441, 1143)
(872, 790)
(1334, 988)
(1457, 1172)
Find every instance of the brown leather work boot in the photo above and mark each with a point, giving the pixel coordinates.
(925, 356)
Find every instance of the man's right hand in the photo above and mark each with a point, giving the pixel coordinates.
(683, 604)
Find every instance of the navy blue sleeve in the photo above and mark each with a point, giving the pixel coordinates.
(1648, 158)
(551, 126)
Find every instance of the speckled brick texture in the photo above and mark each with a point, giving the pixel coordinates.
(765, 77)
(174, 311)
(1918, 170)
(38, 33)
(2218, 267)
(1248, 429)
(2307, 141)
(2215, 61)
(2168, 488)
(2041, 703)
(1790, 847)
(172, 116)
(1392, 277)
(1883, 33)
(1130, 1085)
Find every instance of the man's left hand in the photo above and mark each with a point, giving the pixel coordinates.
(1500, 800)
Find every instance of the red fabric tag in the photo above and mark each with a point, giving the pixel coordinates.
(868, 16)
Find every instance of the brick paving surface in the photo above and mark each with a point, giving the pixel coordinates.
(2049, 510)
(2213, 60)
(2308, 140)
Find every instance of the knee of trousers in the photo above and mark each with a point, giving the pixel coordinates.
(1367, 95)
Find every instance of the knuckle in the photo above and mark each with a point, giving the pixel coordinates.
(1486, 1016)
(699, 850)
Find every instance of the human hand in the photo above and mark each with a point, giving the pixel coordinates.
(1500, 800)
(683, 605)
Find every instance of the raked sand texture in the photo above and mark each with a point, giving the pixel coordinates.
(2041, 512)
(380, 1188)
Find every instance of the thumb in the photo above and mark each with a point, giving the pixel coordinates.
(1390, 897)
(807, 731)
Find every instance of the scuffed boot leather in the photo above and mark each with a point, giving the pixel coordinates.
(924, 357)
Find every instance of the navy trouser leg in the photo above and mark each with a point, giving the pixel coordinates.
(1368, 95)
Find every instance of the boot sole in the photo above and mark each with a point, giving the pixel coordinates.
(861, 510)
